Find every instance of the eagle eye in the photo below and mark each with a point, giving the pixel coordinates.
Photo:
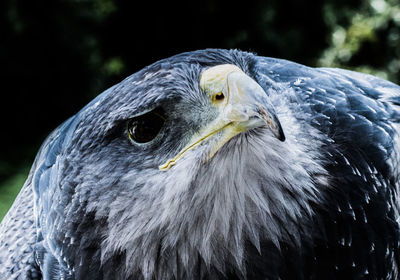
(144, 128)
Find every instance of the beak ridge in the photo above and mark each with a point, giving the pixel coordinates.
(248, 100)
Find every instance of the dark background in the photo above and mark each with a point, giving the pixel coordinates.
(57, 55)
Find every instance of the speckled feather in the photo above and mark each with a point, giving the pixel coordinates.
(321, 205)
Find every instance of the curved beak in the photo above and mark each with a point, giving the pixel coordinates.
(241, 103)
(248, 105)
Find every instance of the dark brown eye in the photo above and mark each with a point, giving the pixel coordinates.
(144, 128)
(219, 96)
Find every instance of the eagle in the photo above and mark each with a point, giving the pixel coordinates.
(216, 164)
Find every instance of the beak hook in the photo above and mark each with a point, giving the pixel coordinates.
(273, 122)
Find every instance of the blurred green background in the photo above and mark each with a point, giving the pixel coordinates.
(57, 55)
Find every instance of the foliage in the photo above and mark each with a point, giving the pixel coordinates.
(9, 190)
(369, 42)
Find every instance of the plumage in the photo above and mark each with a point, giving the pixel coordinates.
(322, 204)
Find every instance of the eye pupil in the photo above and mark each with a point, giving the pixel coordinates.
(146, 127)
(219, 96)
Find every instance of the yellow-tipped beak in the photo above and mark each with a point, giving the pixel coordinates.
(242, 105)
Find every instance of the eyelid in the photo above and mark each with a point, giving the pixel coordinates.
(161, 116)
(140, 111)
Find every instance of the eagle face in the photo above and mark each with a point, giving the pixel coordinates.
(188, 160)
(214, 164)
